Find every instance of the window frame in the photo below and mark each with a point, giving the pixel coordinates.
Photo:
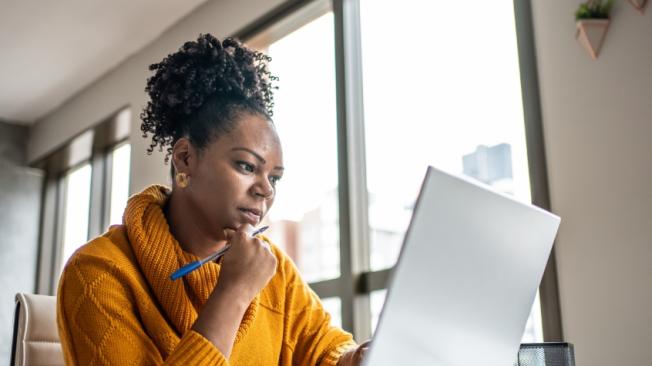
(93, 146)
(356, 281)
(536, 155)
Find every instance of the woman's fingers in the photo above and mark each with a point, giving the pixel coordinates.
(248, 265)
(361, 351)
(263, 243)
(365, 344)
(245, 232)
(228, 234)
(247, 229)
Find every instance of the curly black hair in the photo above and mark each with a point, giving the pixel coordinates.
(199, 91)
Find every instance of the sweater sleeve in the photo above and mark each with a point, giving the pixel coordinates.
(308, 335)
(98, 322)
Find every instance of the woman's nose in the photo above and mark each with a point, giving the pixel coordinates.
(264, 189)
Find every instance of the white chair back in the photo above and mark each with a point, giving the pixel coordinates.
(36, 338)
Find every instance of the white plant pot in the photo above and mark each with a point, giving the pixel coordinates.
(638, 5)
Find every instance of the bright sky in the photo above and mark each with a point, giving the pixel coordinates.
(434, 89)
(119, 183)
(305, 117)
(78, 194)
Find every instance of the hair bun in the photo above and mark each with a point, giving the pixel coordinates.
(200, 71)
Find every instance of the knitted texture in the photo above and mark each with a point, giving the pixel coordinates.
(116, 304)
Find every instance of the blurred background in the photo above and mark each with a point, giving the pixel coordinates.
(371, 93)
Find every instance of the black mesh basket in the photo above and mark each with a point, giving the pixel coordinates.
(545, 354)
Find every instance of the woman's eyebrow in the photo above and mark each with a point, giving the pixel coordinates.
(260, 158)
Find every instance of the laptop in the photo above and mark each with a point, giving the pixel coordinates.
(461, 292)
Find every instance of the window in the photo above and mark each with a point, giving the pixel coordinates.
(433, 96)
(113, 190)
(377, 299)
(333, 305)
(371, 92)
(459, 115)
(305, 217)
(86, 190)
(77, 185)
(119, 193)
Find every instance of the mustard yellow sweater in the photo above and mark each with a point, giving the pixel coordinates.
(116, 304)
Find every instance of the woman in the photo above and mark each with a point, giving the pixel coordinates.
(211, 105)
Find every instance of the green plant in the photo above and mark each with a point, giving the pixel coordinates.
(594, 9)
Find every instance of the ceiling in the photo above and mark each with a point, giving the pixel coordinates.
(50, 50)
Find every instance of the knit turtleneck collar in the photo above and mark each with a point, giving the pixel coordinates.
(159, 254)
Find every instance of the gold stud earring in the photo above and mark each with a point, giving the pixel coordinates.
(182, 180)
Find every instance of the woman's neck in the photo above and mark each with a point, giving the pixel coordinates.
(186, 228)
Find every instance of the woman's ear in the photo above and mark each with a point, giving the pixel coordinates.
(183, 156)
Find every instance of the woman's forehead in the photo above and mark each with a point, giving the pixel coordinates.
(257, 132)
(254, 133)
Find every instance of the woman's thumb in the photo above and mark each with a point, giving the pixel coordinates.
(228, 234)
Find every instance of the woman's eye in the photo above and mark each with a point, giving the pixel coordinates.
(274, 180)
(246, 166)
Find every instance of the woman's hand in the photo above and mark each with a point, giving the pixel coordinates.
(248, 266)
(355, 356)
(246, 269)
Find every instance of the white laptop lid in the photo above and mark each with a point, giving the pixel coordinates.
(466, 279)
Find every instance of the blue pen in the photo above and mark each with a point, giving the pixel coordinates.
(196, 264)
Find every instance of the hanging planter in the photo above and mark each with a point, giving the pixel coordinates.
(591, 33)
(638, 5)
(592, 24)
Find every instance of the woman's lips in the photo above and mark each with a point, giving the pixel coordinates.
(251, 216)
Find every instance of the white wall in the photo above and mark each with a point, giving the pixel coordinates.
(125, 85)
(597, 118)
